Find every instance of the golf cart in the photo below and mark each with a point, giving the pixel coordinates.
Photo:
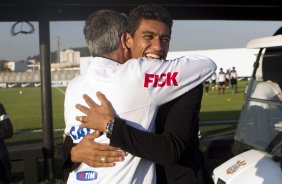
(260, 124)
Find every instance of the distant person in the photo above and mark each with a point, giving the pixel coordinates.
(233, 80)
(207, 86)
(213, 79)
(227, 78)
(6, 131)
(221, 81)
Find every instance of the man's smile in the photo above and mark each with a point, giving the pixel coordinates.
(152, 56)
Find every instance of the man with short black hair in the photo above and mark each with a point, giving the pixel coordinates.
(177, 121)
(221, 81)
(141, 76)
(233, 80)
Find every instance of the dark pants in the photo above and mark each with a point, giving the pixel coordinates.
(4, 179)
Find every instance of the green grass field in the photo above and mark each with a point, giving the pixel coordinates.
(25, 112)
(221, 107)
(217, 107)
(25, 109)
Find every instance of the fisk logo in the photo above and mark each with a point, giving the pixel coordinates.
(161, 80)
(86, 175)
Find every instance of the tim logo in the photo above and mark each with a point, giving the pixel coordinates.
(86, 175)
(161, 80)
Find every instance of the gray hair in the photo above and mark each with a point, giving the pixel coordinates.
(103, 30)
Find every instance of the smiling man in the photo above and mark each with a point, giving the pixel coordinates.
(150, 39)
(136, 90)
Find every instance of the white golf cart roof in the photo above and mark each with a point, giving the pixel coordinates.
(265, 42)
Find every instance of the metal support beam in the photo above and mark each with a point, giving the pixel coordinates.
(46, 97)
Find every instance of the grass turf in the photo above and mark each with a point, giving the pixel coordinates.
(25, 112)
(24, 108)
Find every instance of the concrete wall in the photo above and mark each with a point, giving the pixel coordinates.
(19, 77)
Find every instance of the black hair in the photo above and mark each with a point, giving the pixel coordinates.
(149, 12)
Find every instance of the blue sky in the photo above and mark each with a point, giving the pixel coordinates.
(186, 35)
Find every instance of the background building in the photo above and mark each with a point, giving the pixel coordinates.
(19, 66)
(69, 56)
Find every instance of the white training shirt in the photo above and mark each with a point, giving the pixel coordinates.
(136, 89)
(233, 74)
(221, 77)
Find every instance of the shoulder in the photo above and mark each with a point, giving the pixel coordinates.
(192, 96)
(201, 61)
(75, 83)
(75, 80)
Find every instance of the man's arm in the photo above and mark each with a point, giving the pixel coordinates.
(89, 152)
(165, 148)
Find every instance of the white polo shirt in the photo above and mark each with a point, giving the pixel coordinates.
(136, 89)
(221, 77)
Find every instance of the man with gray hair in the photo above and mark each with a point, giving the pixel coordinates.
(154, 83)
(108, 27)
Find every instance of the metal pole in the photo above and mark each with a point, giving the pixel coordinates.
(46, 97)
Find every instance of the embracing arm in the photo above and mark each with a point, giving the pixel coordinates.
(165, 148)
(6, 127)
(89, 152)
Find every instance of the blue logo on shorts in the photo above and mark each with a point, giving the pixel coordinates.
(86, 175)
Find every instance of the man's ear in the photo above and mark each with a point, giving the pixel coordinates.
(126, 50)
(123, 41)
(128, 40)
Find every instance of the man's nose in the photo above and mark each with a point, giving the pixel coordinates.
(157, 44)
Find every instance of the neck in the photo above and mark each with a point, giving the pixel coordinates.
(115, 56)
(107, 57)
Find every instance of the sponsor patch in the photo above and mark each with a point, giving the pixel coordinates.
(164, 79)
(86, 175)
(77, 132)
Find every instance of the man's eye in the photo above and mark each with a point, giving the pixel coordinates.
(165, 40)
(148, 37)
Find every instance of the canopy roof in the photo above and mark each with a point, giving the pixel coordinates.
(34, 10)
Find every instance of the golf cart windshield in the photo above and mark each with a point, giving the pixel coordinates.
(260, 123)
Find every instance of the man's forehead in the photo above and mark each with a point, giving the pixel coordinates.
(152, 25)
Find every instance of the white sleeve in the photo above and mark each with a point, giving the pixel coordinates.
(167, 80)
(67, 105)
(71, 98)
